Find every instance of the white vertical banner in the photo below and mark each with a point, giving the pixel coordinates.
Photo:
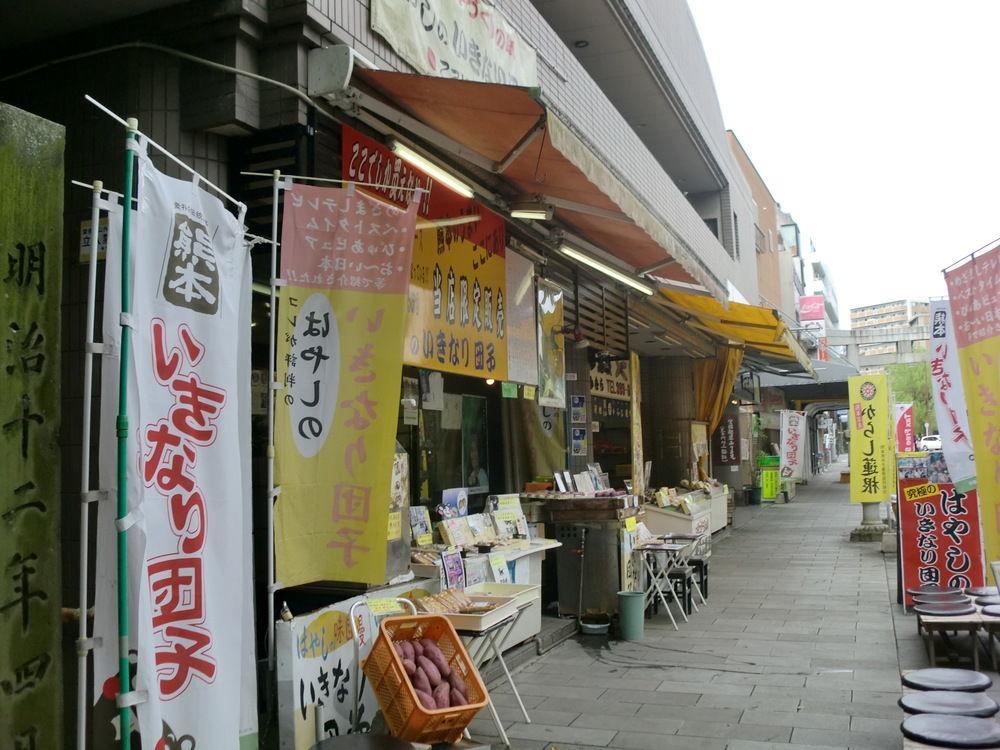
(949, 397)
(189, 469)
(793, 443)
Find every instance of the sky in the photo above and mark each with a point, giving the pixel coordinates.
(875, 123)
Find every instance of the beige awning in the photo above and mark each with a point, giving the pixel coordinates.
(537, 153)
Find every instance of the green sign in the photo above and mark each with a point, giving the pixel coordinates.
(770, 483)
(31, 205)
(508, 389)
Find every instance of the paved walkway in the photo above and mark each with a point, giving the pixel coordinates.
(796, 650)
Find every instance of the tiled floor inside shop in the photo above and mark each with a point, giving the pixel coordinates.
(798, 648)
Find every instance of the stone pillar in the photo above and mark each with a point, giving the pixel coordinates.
(872, 527)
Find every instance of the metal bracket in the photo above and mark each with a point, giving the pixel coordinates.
(132, 698)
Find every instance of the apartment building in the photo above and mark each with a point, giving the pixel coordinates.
(900, 312)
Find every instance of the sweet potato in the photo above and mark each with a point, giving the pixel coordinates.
(420, 682)
(410, 667)
(399, 649)
(457, 699)
(442, 695)
(432, 672)
(432, 652)
(458, 682)
(427, 700)
(408, 652)
(418, 650)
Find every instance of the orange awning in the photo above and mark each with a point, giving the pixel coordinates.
(495, 122)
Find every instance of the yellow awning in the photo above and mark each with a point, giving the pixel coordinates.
(759, 330)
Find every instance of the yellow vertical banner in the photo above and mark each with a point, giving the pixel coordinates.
(551, 346)
(974, 296)
(635, 421)
(872, 460)
(345, 260)
(457, 306)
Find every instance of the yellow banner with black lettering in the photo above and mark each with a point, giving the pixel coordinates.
(456, 306)
(872, 458)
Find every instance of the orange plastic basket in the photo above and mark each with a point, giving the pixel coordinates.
(404, 714)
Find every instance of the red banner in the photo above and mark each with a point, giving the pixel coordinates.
(940, 535)
(905, 439)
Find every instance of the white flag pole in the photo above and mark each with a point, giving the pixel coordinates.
(82, 646)
(271, 388)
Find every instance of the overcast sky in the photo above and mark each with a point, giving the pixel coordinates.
(876, 123)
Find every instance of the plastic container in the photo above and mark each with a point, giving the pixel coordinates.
(631, 615)
(405, 716)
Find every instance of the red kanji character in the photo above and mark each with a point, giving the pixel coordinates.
(348, 545)
(167, 363)
(376, 323)
(174, 474)
(355, 449)
(359, 403)
(188, 521)
(179, 663)
(161, 441)
(197, 405)
(351, 502)
(175, 590)
(362, 361)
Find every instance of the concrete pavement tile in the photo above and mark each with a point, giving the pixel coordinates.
(691, 713)
(868, 710)
(593, 680)
(795, 719)
(639, 741)
(582, 693)
(771, 680)
(759, 732)
(656, 697)
(589, 707)
(854, 740)
(508, 699)
(818, 694)
(642, 724)
(882, 698)
(884, 727)
(748, 701)
(751, 745)
(556, 734)
(704, 688)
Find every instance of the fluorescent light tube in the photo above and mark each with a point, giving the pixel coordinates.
(531, 214)
(605, 269)
(428, 167)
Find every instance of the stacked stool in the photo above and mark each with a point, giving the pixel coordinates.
(940, 609)
(948, 708)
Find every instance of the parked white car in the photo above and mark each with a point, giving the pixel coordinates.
(929, 443)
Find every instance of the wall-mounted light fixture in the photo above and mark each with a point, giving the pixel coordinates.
(607, 270)
(425, 165)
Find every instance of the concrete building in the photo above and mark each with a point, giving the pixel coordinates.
(779, 266)
(900, 312)
(646, 56)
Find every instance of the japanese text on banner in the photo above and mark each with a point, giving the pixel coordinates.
(949, 397)
(974, 296)
(871, 448)
(347, 257)
(940, 541)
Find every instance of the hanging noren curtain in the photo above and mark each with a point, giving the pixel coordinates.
(713, 382)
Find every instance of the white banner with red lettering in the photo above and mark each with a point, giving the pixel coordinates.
(190, 586)
(903, 420)
(793, 443)
(949, 397)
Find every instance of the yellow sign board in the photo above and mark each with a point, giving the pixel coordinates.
(395, 530)
(872, 457)
(383, 606)
(920, 492)
(456, 307)
(630, 524)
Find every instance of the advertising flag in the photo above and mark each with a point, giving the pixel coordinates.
(189, 541)
(903, 419)
(345, 259)
(974, 295)
(793, 443)
(949, 397)
(872, 473)
(940, 539)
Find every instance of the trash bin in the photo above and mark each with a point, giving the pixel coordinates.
(631, 615)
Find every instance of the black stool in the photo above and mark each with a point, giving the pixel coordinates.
(941, 678)
(700, 565)
(682, 579)
(940, 730)
(948, 702)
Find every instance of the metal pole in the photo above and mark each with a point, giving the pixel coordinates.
(124, 712)
(88, 372)
(270, 419)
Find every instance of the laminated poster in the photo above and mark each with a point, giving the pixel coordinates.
(454, 569)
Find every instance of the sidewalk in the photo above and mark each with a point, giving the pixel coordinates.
(796, 649)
